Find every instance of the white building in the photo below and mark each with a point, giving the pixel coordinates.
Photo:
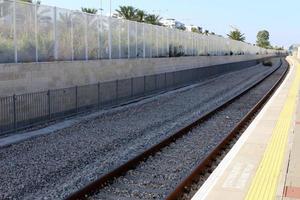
(172, 23)
(192, 27)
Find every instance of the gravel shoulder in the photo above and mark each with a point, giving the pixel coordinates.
(53, 166)
(158, 176)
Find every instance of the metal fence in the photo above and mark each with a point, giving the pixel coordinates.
(36, 33)
(21, 111)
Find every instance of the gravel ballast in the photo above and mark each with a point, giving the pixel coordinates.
(55, 165)
(159, 175)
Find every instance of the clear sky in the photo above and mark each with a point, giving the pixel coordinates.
(280, 17)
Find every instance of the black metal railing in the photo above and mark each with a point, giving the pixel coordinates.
(24, 110)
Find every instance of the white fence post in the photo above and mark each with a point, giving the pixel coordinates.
(128, 38)
(120, 28)
(109, 37)
(36, 33)
(168, 41)
(144, 42)
(15, 32)
(72, 36)
(86, 37)
(55, 34)
(136, 40)
(98, 38)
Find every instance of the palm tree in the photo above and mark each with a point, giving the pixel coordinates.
(127, 12)
(206, 32)
(140, 15)
(89, 10)
(153, 19)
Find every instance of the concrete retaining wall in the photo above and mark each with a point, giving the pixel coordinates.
(32, 77)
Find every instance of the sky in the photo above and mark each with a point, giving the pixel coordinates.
(280, 17)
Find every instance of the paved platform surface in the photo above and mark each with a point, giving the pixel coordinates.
(265, 162)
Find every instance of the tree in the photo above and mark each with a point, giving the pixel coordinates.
(140, 15)
(153, 19)
(236, 35)
(30, 1)
(127, 12)
(206, 32)
(263, 39)
(89, 10)
(196, 30)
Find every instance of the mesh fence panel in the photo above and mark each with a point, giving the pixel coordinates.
(31, 108)
(93, 39)
(25, 32)
(79, 37)
(140, 40)
(64, 35)
(6, 114)
(138, 86)
(132, 39)
(104, 37)
(63, 101)
(108, 93)
(148, 41)
(115, 38)
(124, 38)
(45, 29)
(125, 90)
(6, 33)
(87, 96)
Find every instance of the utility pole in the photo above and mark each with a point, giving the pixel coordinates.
(101, 8)
(110, 7)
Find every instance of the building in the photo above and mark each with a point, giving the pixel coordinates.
(172, 23)
(195, 28)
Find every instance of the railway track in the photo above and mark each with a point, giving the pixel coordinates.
(166, 169)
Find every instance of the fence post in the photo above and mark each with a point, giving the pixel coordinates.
(109, 36)
(120, 23)
(157, 53)
(49, 104)
(173, 80)
(144, 41)
(36, 34)
(55, 35)
(166, 80)
(136, 40)
(168, 43)
(128, 38)
(131, 82)
(72, 35)
(99, 100)
(144, 85)
(15, 32)
(15, 113)
(151, 43)
(117, 91)
(76, 98)
(99, 35)
(156, 84)
(86, 37)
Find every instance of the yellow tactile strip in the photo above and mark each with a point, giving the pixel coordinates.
(265, 182)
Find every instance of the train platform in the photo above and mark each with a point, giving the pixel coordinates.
(265, 161)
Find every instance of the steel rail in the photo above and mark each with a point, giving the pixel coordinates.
(202, 167)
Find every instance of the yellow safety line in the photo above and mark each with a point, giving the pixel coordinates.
(265, 182)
